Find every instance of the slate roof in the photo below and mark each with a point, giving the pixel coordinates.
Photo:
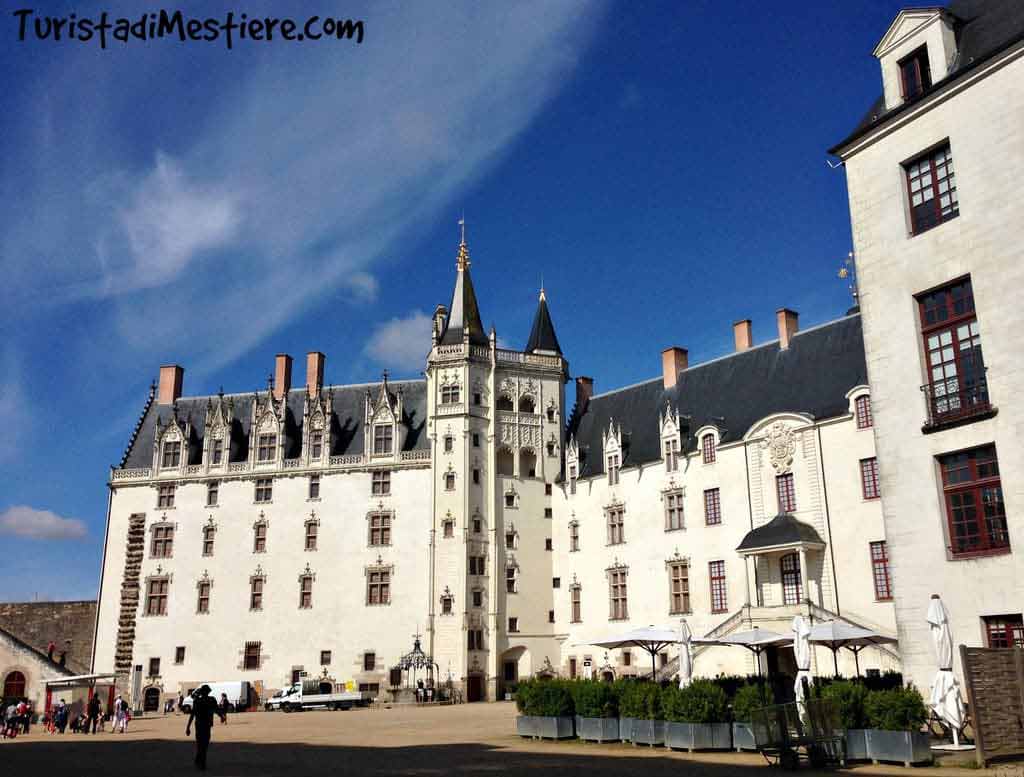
(542, 334)
(783, 529)
(984, 28)
(349, 405)
(732, 393)
(464, 314)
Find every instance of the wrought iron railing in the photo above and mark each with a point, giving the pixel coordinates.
(953, 399)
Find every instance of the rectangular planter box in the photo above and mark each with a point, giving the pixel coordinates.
(526, 726)
(743, 737)
(598, 729)
(856, 744)
(906, 747)
(648, 732)
(626, 729)
(555, 728)
(698, 736)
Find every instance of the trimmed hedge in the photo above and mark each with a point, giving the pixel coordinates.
(750, 697)
(640, 700)
(899, 709)
(594, 699)
(849, 699)
(544, 698)
(703, 701)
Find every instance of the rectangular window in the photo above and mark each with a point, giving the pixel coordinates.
(259, 538)
(172, 454)
(203, 601)
(208, 535)
(476, 477)
(252, 655)
(165, 496)
(931, 186)
(556, 582)
(179, 654)
(712, 507)
(256, 593)
(212, 493)
(511, 580)
(449, 481)
(613, 469)
(627, 658)
(306, 592)
(574, 537)
(551, 616)
(476, 565)
(476, 440)
(325, 658)
(549, 512)
(382, 440)
(915, 73)
(880, 571)
(316, 444)
(671, 455)
(380, 529)
(547, 544)
(449, 395)
(974, 501)
(674, 510)
(617, 609)
(513, 625)
(477, 398)
(862, 406)
(616, 525)
(476, 639)
(446, 605)
(154, 667)
(156, 596)
(572, 479)
(217, 451)
(707, 448)
(449, 443)
(266, 449)
(378, 586)
(716, 572)
(869, 478)
(786, 492)
(510, 540)
(381, 483)
(1004, 631)
(264, 489)
(162, 545)
(478, 597)
(792, 583)
(679, 588)
(576, 606)
(572, 669)
(312, 529)
(477, 525)
(369, 662)
(314, 486)
(448, 528)
(956, 387)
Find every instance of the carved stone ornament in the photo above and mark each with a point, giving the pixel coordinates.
(780, 444)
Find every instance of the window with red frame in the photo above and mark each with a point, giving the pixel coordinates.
(880, 571)
(931, 187)
(869, 478)
(952, 343)
(712, 507)
(1004, 631)
(915, 73)
(792, 588)
(707, 446)
(716, 572)
(786, 492)
(974, 501)
(862, 406)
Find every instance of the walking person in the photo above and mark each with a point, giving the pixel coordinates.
(222, 708)
(203, 710)
(61, 716)
(93, 718)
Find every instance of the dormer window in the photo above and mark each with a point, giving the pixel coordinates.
(915, 73)
(613, 469)
(708, 448)
(671, 455)
(172, 454)
(267, 447)
(382, 440)
(217, 451)
(316, 444)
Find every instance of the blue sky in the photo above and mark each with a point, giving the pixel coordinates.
(660, 165)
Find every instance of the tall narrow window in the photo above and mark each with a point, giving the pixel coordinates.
(575, 604)
(719, 599)
(314, 486)
(511, 579)
(312, 529)
(476, 565)
(449, 443)
(574, 536)
(378, 586)
(316, 444)
(880, 571)
(256, 593)
(209, 532)
(212, 493)
(862, 406)
(154, 667)
(679, 587)
(165, 496)
(448, 527)
(382, 439)
(259, 537)
(449, 481)
(217, 451)
(572, 479)
(203, 598)
(712, 507)
(510, 540)
(618, 608)
(707, 448)
(369, 661)
(513, 625)
(172, 454)
(974, 501)
(952, 340)
(673, 510)
(252, 655)
(869, 478)
(1005, 631)
(156, 596)
(381, 483)
(931, 186)
(380, 529)
(792, 588)
(264, 490)
(613, 469)
(786, 492)
(162, 545)
(476, 639)
(671, 455)
(446, 604)
(616, 518)
(915, 73)
(266, 449)
(305, 592)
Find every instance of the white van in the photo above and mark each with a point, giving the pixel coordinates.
(238, 692)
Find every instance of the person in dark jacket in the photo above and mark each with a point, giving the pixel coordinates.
(94, 714)
(203, 710)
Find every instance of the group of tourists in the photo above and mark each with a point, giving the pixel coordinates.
(16, 718)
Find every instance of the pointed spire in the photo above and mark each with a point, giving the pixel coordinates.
(542, 335)
(463, 323)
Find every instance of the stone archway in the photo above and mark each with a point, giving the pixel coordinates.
(514, 665)
(14, 684)
(151, 699)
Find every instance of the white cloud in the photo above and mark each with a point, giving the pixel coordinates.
(25, 521)
(364, 287)
(401, 343)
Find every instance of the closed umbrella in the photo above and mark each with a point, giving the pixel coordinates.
(945, 698)
(802, 651)
(685, 659)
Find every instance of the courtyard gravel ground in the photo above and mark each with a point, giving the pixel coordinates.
(464, 740)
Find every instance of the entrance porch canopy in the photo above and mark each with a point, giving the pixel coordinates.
(783, 532)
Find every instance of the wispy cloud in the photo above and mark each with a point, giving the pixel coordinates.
(401, 343)
(15, 411)
(28, 522)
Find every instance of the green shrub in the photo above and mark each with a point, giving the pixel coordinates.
(899, 709)
(748, 698)
(594, 699)
(703, 701)
(640, 700)
(849, 699)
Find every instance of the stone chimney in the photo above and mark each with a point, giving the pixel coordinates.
(789, 324)
(584, 391)
(314, 372)
(171, 376)
(282, 375)
(743, 332)
(673, 361)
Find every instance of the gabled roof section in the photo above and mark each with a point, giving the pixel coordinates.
(464, 315)
(906, 23)
(542, 334)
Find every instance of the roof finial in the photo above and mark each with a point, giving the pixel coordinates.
(462, 224)
(542, 286)
(462, 261)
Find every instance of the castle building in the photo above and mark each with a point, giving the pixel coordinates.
(315, 529)
(931, 171)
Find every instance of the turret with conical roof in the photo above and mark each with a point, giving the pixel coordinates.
(542, 335)
(463, 323)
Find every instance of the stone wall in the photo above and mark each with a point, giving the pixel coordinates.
(37, 623)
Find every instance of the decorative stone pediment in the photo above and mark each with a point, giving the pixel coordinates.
(780, 445)
(611, 439)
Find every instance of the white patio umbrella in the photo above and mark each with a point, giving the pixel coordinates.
(802, 651)
(685, 657)
(649, 638)
(945, 698)
(756, 640)
(840, 634)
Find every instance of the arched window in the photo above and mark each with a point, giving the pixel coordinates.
(792, 592)
(526, 404)
(506, 462)
(527, 463)
(14, 685)
(505, 403)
